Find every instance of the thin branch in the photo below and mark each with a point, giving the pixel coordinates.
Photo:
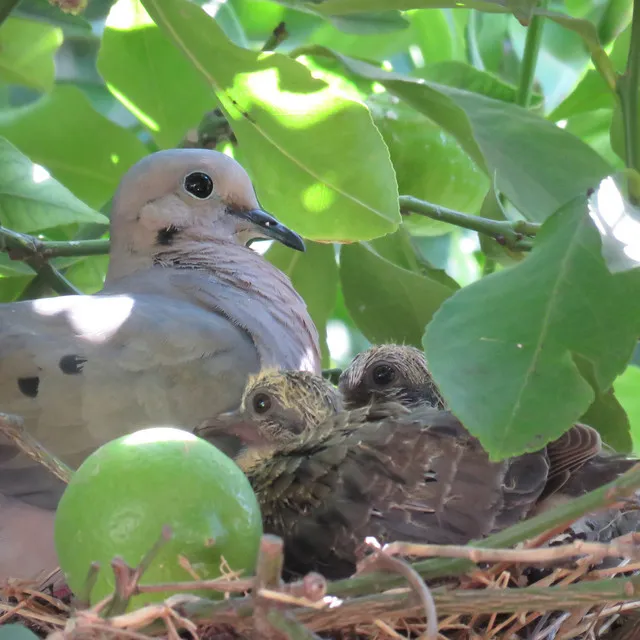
(20, 246)
(13, 427)
(627, 87)
(530, 58)
(278, 36)
(510, 234)
(624, 546)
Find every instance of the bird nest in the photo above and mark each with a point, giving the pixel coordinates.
(529, 581)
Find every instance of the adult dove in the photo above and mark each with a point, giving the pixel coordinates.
(187, 311)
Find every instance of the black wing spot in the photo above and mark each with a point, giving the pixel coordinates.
(71, 364)
(29, 386)
(165, 236)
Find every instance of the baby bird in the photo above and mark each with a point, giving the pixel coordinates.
(577, 461)
(326, 477)
(389, 372)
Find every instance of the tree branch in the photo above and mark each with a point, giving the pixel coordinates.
(627, 87)
(510, 234)
(530, 58)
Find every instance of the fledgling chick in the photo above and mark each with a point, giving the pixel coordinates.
(326, 478)
(578, 463)
(389, 372)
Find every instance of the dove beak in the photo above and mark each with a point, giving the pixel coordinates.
(271, 228)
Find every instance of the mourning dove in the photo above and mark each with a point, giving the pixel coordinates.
(188, 310)
(578, 463)
(326, 478)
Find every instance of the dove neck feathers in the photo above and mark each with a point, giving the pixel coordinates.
(241, 285)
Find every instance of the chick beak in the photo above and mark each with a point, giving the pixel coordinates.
(271, 228)
(230, 432)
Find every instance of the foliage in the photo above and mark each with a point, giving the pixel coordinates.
(515, 121)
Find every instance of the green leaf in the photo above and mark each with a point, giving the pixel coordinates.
(433, 35)
(82, 149)
(502, 349)
(463, 76)
(616, 17)
(605, 414)
(429, 163)
(370, 23)
(88, 274)
(314, 275)
(388, 302)
(27, 48)
(30, 200)
(148, 75)
(517, 146)
(308, 142)
(593, 127)
(11, 288)
(626, 388)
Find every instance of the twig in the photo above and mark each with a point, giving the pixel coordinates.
(530, 58)
(627, 87)
(127, 578)
(218, 584)
(564, 514)
(596, 550)
(84, 596)
(380, 559)
(512, 235)
(278, 36)
(13, 427)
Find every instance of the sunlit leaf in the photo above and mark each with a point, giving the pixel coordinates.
(307, 141)
(81, 148)
(150, 76)
(30, 199)
(626, 387)
(27, 48)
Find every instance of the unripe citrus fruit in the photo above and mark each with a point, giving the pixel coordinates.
(125, 492)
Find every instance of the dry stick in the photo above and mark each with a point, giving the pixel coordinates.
(218, 584)
(596, 550)
(565, 514)
(13, 427)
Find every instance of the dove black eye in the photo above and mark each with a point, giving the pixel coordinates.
(261, 403)
(199, 184)
(383, 375)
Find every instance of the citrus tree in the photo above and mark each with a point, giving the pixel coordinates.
(464, 172)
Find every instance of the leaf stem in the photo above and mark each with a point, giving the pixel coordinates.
(278, 36)
(509, 234)
(627, 88)
(530, 58)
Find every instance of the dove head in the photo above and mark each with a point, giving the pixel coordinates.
(175, 201)
(389, 373)
(277, 408)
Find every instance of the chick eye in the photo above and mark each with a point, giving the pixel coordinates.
(261, 403)
(199, 185)
(383, 375)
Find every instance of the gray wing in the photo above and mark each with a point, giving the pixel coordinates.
(82, 370)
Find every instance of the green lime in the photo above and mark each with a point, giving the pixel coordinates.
(125, 492)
